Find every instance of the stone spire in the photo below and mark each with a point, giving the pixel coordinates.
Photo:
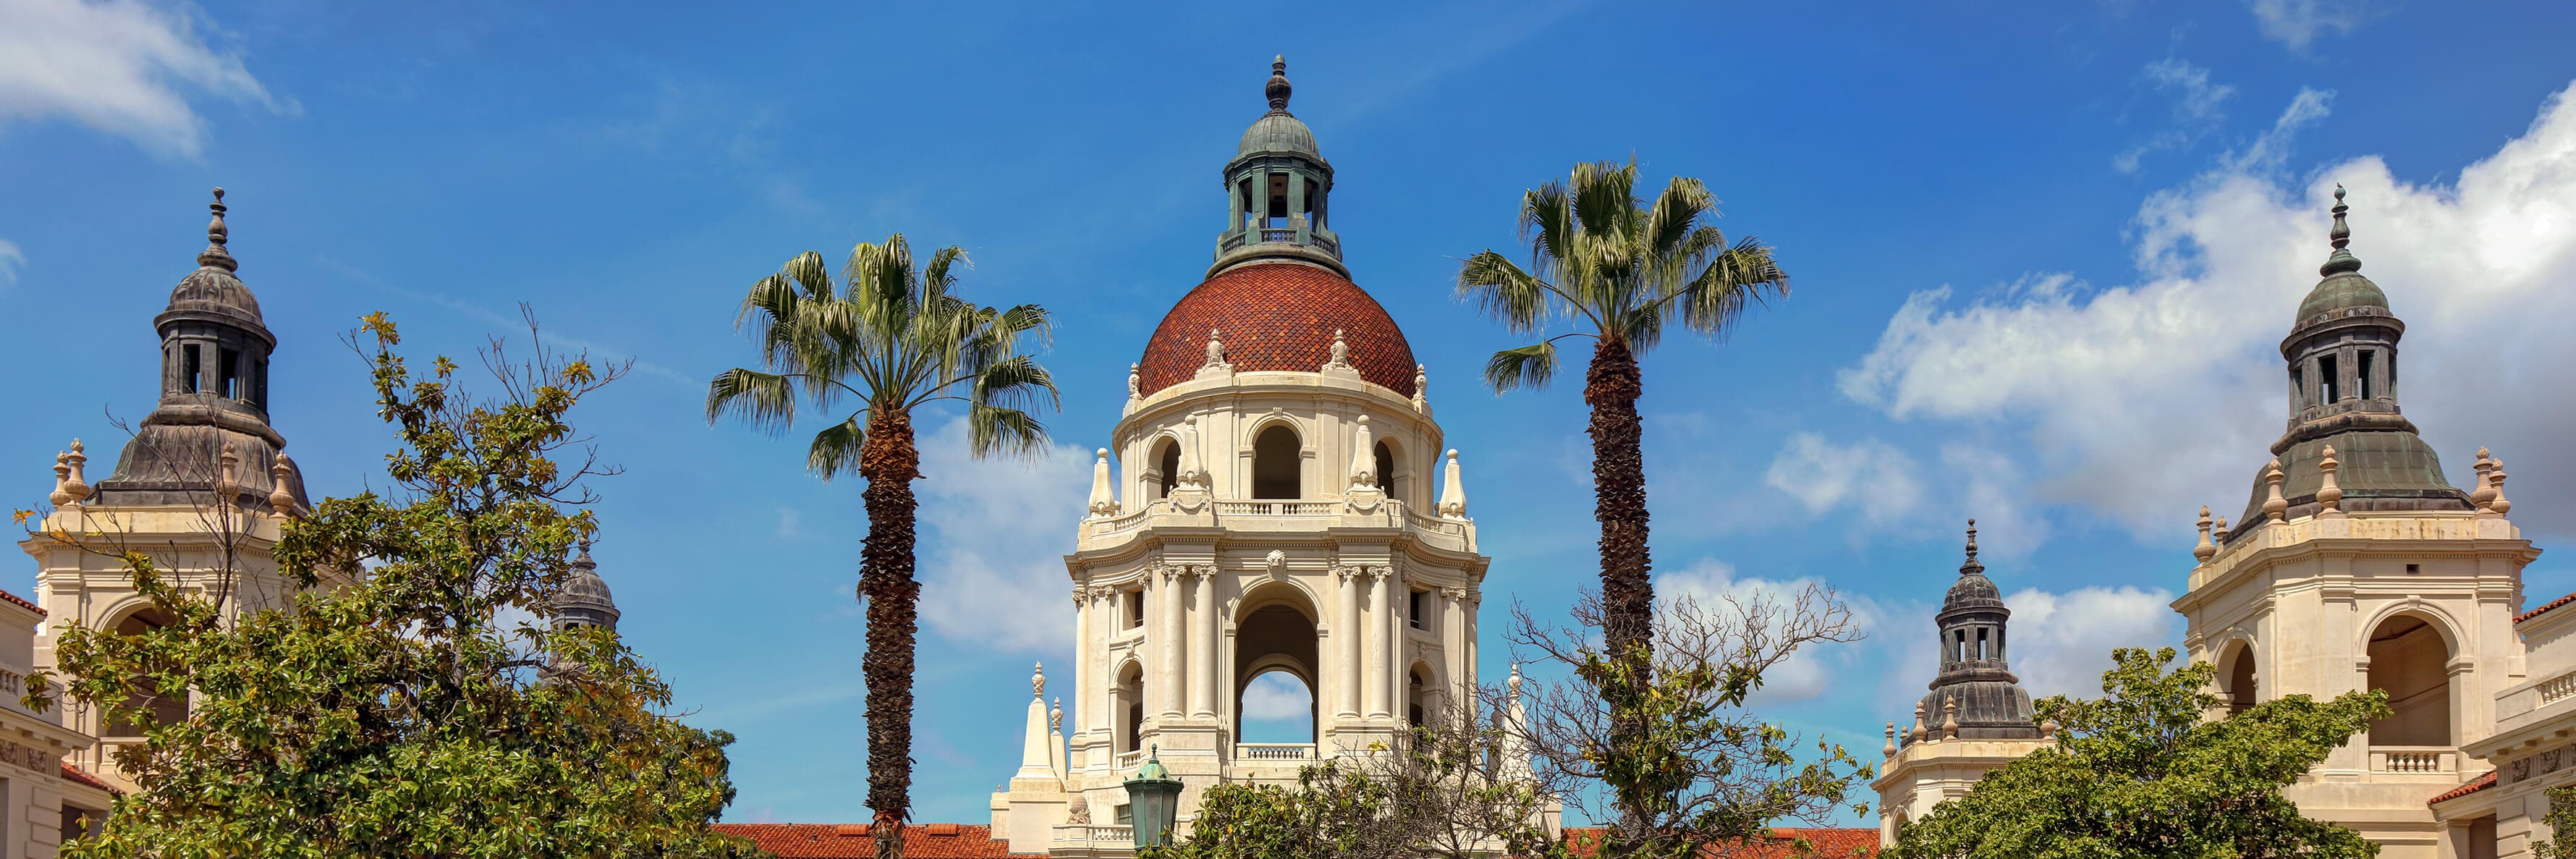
(1103, 503)
(2340, 237)
(1037, 762)
(216, 255)
(1277, 88)
(1453, 494)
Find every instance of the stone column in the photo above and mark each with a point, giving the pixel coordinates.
(1203, 623)
(1399, 669)
(1082, 671)
(1377, 671)
(1347, 674)
(1167, 636)
(1453, 647)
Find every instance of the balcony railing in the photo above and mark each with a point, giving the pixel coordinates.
(1095, 833)
(2414, 759)
(1130, 760)
(1277, 508)
(2558, 688)
(1274, 751)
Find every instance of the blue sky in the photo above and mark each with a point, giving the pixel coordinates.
(2041, 255)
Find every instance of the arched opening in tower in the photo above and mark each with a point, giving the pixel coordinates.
(1418, 703)
(1275, 634)
(2410, 660)
(157, 708)
(1167, 468)
(1386, 468)
(1275, 464)
(2239, 683)
(1127, 698)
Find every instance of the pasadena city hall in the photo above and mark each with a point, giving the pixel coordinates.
(1278, 497)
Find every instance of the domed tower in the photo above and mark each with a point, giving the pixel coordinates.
(1275, 499)
(2342, 354)
(2357, 565)
(585, 600)
(202, 487)
(1976, 718)
(1975, 685)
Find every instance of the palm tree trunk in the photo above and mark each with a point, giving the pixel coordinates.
(1611, 387)
(890, 463)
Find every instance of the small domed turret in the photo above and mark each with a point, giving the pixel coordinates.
(585, 600)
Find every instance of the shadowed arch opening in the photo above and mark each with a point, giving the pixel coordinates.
(2237, 680)
(1127, 698)
(161, 709)
(1275, 463)
(1275, 633)
(2410, 659)
(1166, 466)
(1418, 692)
(1386, 462)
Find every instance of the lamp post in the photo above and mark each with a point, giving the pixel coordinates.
(1153, 800)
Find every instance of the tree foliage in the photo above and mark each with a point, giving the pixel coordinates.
(2561, 819)
(894, 337)
(2143, 772)
(1618, 267)
(1438, 791)
(1687, 771)
(396, 708)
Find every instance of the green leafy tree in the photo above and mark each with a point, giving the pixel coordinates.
(1686, 770)
(2561, 843)
(2144, 772)
(886, 341)
(1433, 793)
(396, 708)
(1619, 268)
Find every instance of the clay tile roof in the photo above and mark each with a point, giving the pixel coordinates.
(2545, 607)
(1827, 843)
(858, 841)
(22, 602)
(1277, 316)
(73, 773)
(2478, 784)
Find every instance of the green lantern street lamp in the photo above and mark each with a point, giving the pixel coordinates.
(1153, 801)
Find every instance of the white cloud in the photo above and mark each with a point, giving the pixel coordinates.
(10, 260)
(119, 66)
(1872, 475)
(2061, 643)
(1809, 672)
(992, 566)
(2297, 22)
(791, 524)
(2196, 109)
(1277, 697)
(2145, 401)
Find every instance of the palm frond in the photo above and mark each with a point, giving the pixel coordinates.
(936, 281)
(1528, 366)
(1675, 214)
(835, 450)
(1745, 274)
(807, 271)
(1503, 291)
(766, 401)
(1014, 383)
(991, 429)
(1605, 197)
(1547, 223)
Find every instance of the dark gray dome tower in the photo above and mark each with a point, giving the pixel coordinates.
(1991, 703)
(585, 600)
(214, 395)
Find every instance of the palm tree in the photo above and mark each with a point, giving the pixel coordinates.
(1618, 268)
(893, 340)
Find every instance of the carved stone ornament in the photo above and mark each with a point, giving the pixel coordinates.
(1277, 561)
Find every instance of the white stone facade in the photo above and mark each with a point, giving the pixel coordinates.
(1189, 581)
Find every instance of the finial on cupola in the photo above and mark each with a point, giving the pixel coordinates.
(215, 255)
(1971, 566)
(2341, 236)
(1278, 88)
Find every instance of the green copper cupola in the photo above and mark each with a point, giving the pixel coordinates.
(1277, 187)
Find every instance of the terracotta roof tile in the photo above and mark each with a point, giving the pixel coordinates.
(22, 601)
(2544, 607)
(1826, 843)
(2477, 784)
(1277, 316)
(73, 773)
(857, 841)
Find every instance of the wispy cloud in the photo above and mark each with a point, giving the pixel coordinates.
(2297, 22)
(121, 67)
(497, 320)
(10, 260)
(2197, 109)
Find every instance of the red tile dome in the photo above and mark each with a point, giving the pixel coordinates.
(1277, 316)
